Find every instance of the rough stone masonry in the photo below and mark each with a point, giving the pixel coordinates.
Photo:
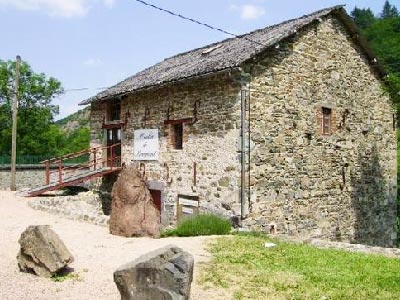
(299, 181)
(340, 186)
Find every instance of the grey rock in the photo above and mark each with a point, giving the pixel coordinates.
(42, 251)
(235, 221)
(164, 274)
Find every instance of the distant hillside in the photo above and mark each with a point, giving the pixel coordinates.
(76, 121)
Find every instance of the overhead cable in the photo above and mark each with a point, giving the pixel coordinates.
(197, 22)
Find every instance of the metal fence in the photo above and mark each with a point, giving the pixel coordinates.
(5, 160)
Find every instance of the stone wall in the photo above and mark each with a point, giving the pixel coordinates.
(210, 143)
(340, 186)
(85, 206)
(300, 182)
(25, 178)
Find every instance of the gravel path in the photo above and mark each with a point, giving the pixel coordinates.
(97, 254)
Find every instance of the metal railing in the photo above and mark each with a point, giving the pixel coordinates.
(59, 169)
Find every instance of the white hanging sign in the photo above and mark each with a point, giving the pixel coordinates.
(188, 202)
(145, 144)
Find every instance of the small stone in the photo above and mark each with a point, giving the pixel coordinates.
(42, 251)
(269, 245)
(226, 205)
(224, 182)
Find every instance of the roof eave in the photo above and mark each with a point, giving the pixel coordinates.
(163, 84)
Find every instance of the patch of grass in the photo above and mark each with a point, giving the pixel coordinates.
(202, 224)
(242, 265)
(66, 276)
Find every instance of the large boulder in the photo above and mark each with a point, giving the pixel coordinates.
(163, 274)
(42, 251)
(133, 213)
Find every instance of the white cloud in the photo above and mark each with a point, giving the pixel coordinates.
(109, 3)
(249, 11)
(93, 62)
(56, 8)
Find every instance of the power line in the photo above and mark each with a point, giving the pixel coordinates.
(76, 90)
(84, 89)
(197, 22)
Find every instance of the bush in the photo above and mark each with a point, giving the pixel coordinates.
(202, 224)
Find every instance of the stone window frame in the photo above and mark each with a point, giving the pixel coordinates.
(326, 127)
(326, 120)
(176, 136)
(173, 126)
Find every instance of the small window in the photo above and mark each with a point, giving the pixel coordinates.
(326, 121)
(177, 136)
(114, 110)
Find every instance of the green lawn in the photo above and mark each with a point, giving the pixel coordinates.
(244, 266)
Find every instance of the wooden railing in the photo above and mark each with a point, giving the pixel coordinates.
(60, 169)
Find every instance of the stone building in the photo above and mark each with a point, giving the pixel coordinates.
(287, 127)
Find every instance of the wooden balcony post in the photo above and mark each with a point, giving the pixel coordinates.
(94, 158)
(60, 171)
(112, 156)
(47, 172)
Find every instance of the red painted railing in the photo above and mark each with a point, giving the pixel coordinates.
(59, 169)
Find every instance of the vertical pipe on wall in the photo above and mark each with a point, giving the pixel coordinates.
(249, 203)
(194, 174)
(242, 153)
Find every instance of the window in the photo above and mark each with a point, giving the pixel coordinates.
(326, 121)
(114, 110)
(177, 136)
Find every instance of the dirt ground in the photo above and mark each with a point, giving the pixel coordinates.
(97, 255)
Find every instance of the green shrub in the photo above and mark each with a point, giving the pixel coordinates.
(61, 277)
(202, 224)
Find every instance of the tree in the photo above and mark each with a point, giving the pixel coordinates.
(384, 37)
(364, 18)
(389, 11)
(36, 135)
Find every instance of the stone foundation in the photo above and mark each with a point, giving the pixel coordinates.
(86, 206)
(25, 179)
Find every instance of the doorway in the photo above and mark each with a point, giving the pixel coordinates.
(114, 153)
(156, 195)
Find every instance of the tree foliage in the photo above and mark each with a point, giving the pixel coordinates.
(364, 18)
(383, 34)
(36, 134)
(389, 11)
(77, 140)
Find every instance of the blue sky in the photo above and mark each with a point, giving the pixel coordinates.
(97, 43)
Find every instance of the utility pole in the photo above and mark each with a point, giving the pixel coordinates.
(14, 125)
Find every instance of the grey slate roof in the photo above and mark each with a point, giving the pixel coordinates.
(227, 54)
